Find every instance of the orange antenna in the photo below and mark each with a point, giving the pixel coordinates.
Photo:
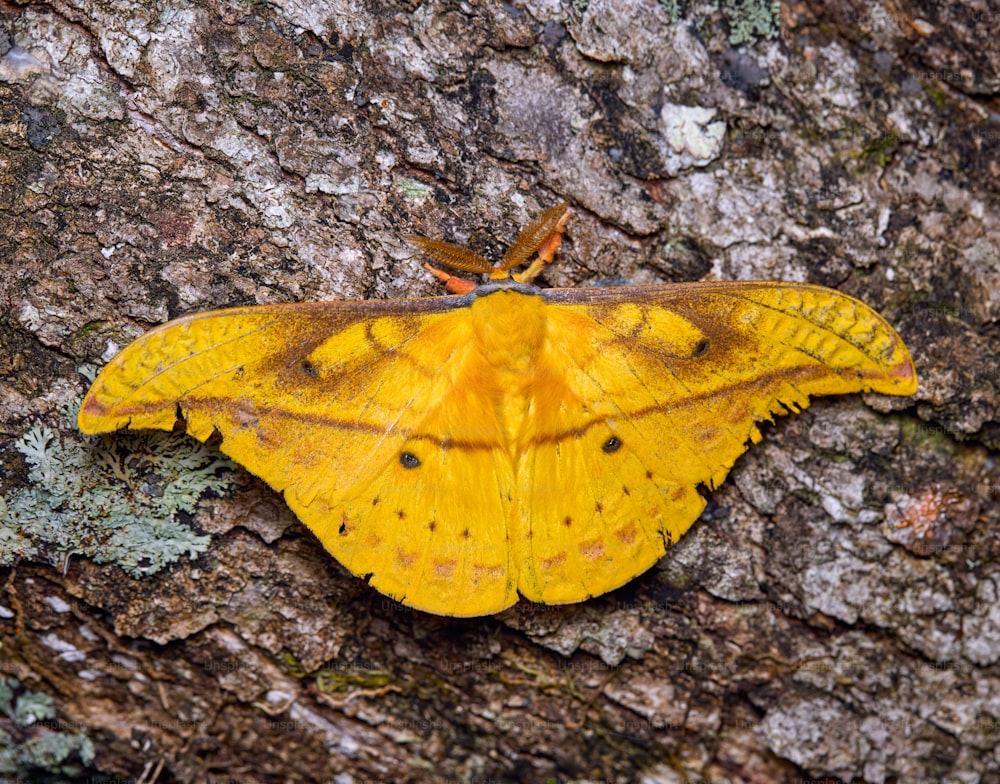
(452, 255)
(542, 236)
(535, 235)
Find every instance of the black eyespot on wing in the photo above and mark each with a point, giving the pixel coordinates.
(700, 348)
(309, 368)
(613, 444)
(408, 460)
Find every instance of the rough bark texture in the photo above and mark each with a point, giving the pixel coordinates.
(835, 612)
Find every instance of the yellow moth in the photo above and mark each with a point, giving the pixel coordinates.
(462, 451)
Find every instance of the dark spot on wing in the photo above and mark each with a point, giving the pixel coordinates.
(432, 526)
(568, 521)
(700, 348)
(467, 534)
(408, 460)
(613, 444)
(375, 501)
(309, 368)
(598, 507)
(400, 514)
(626, 490)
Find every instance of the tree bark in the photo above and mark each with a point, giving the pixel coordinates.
(833, 615)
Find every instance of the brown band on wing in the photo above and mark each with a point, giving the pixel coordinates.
(236, 412)
(765, 380)
(208, 405)
(688, 400)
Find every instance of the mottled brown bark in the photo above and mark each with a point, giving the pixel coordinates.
(834, 613)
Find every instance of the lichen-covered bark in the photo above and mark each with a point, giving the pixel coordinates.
(833, 614)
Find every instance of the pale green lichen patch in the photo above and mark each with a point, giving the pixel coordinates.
(36, 748)
(751, 19)
(673, 9)
(414, 190)
(23, 706)
(114, 500)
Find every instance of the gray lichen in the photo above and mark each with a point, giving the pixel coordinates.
(115, 500)
(751, 19)
(673, 9)
(36, 749)
(24, 707)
